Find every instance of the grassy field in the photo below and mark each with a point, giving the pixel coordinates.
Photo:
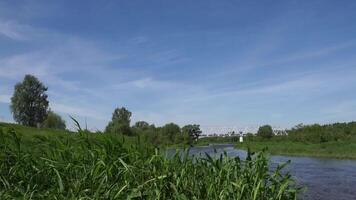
(335, 149)
(48, 164)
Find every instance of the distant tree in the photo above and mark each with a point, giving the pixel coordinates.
(170, 130)
(249, 136)
(265, 131)
(120, 122)
(29, 104)
(54, 121)
(299, 126)
(141, 125)
(193, 130)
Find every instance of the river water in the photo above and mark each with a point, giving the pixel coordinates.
(323, 178)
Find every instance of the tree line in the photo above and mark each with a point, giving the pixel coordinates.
(30, 107)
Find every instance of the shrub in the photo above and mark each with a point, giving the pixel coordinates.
(54, 121)
(265, 131)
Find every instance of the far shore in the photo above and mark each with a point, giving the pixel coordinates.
(334, 150)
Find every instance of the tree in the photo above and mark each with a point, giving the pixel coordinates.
(120, 122)
(193, 130)
(29, 102)
(141, 125)
(54, 121)
(170, 130)
(265, 131)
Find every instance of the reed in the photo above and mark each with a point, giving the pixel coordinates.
(93, 166)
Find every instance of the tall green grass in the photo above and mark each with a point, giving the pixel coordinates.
(93, 166)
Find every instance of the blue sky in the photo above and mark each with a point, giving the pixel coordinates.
(215, 63)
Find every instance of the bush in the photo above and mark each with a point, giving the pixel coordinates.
(54, 121)
(265, 131)
(323, 133)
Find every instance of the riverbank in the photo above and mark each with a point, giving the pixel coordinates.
(338, 150)
(53, 164)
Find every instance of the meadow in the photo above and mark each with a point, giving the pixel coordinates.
(51, 164)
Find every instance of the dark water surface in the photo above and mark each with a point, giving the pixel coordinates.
(324, 178)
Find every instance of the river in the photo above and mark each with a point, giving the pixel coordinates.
(332, 179)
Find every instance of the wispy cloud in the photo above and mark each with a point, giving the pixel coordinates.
(147, 83)
(20, 32)
(12, 30)
(66, 56)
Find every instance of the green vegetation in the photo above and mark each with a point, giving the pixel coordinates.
(54, 164)
(340, 150)
(120, 122)
(331, 140)
(265, 131)
(217, 140)
(193, 131)
(323, 133)
(29, 104)
(54, 121)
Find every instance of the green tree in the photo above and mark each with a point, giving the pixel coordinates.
(265, 131)
(54, 121)
(120, 122)
(193, 130)
(141, 125)
(170, 130)
(29, 104)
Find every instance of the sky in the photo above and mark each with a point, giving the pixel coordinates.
(228, 63)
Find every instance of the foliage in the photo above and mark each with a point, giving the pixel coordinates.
(54, 121)
(141, 125)
(120, 122)
(29, 102)
(170, 131)
(193, 130)
(108, 166)
(265, 132)
(333, 149)
(323, 133)
(336, 140)
(218, 140)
